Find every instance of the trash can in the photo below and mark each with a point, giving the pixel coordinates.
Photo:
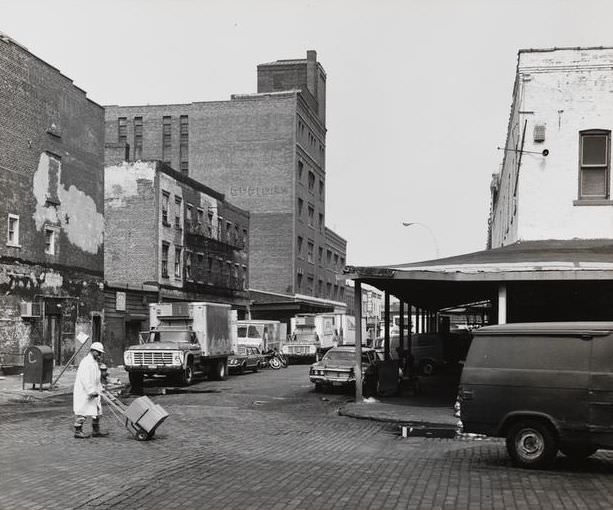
(37, 366)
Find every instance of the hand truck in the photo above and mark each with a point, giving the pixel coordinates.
(142, 417)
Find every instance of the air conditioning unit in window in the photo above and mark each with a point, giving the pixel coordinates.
(539, 133)
(29, 309)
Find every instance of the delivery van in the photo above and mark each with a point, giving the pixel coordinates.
(545, 387)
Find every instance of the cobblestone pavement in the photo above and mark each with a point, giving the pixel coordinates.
(266, 440)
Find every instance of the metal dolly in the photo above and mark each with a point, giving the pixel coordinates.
(142, 417)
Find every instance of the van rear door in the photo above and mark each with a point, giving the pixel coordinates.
(601, 389)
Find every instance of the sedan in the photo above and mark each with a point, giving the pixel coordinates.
(336, 368)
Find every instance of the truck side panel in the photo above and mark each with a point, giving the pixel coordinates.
(218, 340)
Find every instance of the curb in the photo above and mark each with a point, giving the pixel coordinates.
(415, 423)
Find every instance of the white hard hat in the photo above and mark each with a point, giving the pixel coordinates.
(97, 346)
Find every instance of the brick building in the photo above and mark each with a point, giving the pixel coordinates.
(51, 213)
(266, 153)
(168, 237)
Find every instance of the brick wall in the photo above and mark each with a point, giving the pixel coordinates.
(131, 251)
(51, 177)
(51, 162)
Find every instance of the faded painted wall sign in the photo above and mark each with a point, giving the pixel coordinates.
(257, 191)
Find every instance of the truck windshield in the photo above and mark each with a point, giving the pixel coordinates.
(169, 336)
(251, 332)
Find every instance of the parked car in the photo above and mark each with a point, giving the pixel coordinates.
(336, 368)
(246, 358)
(543, 386)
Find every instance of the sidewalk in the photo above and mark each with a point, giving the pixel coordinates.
(430, 412)
(11, 390)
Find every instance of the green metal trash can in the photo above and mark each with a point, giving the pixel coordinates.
(37, 366)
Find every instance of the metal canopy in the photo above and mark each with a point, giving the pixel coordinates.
(440, 283)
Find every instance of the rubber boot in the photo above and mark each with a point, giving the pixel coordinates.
(97, 432)
(79, 434)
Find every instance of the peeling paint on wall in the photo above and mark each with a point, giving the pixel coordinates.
(121, 181)
(76, 212)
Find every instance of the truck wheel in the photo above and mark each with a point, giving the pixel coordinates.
(219, 370)
(532, 444)
(187, 376)
(136, 382)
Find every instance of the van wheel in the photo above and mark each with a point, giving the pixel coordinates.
(532, 444)
(578, 451)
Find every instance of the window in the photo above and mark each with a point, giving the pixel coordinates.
(321, 222)
(210, 223)
(50, 240)
(310, 252)
(320, 255)
(311, 213)
(245, 238)
(228, 232)
(178, 213)
(594, 165)
(321, 188)
(165, 200)
(122, 132)
(329, 257)
(300, 206)
(336, 260)
(184, 143)
(138, 138)
(299, 246)
(219, 227)
(188, 265)
(165, 248)
(300, 169)
(200, 214)
(188, 217)
(311, 181)
(299, 281)
(320, 288)
(309, 288)
(166, 139)
(177, 262)
(12, 237)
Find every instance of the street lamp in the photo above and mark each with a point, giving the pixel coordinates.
(411, 223)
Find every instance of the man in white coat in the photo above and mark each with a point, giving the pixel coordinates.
(86, 393)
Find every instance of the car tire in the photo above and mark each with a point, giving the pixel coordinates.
(242, 368)
(255, 368)
(578, 452)
(532, 444)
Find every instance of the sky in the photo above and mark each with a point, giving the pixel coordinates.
(418, 91)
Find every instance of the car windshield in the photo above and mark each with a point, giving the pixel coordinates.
(343, 356)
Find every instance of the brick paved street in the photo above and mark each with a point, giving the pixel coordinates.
(266, 440)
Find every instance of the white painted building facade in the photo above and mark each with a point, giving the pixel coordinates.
(562, 104)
